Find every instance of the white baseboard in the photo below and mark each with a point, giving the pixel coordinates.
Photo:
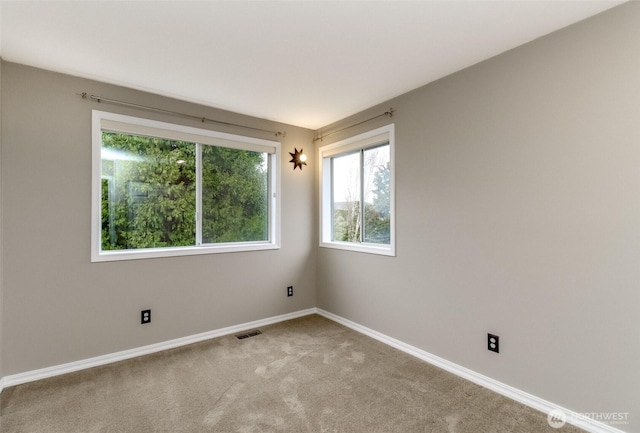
(56, 370)
(520, 396)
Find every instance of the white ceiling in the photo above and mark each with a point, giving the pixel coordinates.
(306, 63)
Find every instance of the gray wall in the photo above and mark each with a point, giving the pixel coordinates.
(60, 307)
(1, 272)
(518, 213)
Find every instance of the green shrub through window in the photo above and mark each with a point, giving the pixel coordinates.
(158, 192)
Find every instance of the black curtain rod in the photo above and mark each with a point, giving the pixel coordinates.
(101, 99)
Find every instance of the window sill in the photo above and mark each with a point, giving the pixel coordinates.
(382, 250)
(151, 253)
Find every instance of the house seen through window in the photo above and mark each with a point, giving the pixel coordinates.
(357, 193)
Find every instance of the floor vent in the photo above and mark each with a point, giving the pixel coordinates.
(248, 334)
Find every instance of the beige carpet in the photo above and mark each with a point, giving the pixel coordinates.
(304, 375)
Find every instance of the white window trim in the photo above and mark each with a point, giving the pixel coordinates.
(361, 141)
(102, 120)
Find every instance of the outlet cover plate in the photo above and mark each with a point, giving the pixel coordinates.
(493, 343)
(145, 316)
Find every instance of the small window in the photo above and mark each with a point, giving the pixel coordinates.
(357, 193)
(165, 190)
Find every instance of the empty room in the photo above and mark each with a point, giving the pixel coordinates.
(320, 216)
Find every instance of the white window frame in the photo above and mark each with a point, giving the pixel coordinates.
(102, 120)
(365, 140)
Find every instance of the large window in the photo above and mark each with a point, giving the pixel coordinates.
(161, 190)
(357, 194)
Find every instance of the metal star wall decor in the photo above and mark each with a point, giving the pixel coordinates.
(298, 158)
